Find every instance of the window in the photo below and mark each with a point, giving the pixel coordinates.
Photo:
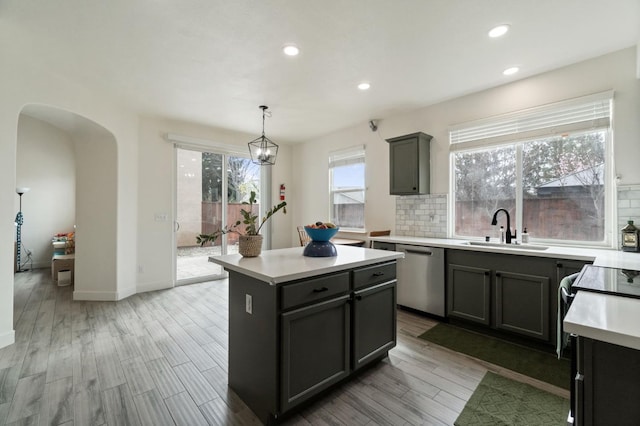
(347, 187)
(549, 167)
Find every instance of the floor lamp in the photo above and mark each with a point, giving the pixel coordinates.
(19, 221)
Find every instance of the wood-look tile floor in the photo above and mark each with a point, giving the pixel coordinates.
(160, 358)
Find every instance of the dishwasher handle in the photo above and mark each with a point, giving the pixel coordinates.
(426, 251)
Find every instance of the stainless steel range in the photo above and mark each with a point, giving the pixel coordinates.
(619, 282)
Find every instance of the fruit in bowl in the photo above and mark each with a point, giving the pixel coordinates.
(321, 225)
(321, 231)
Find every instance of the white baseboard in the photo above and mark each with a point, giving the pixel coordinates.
(143, 288)
(123, 294)
(110, 296)
(118, 295)
(7, 338)
(41, 265)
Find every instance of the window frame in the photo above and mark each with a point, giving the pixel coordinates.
(343, 157)
(518, 140)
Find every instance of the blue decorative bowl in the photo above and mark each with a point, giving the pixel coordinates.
(320, 249)
(321, 234)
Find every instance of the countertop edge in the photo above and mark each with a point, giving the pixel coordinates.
(604, 317)
(288, 277)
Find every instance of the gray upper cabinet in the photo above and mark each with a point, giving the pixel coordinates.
(409, 164)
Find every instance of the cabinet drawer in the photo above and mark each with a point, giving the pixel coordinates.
(375, 274)
(314, 289)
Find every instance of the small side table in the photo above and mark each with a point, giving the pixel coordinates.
(62, 262)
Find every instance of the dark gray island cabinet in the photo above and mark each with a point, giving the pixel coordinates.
(298, 328)
(607, 379)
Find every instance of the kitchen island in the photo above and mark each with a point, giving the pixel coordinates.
(299, 325)
(607, 359)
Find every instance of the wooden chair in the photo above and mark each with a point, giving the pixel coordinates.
(378, 234)
(304, 237)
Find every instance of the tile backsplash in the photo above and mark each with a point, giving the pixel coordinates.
(628, 205)
(426, 215)
(422, 215)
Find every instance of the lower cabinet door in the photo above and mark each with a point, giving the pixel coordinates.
(469, 293)
(522, 304)
(315, 349)
(374, 322)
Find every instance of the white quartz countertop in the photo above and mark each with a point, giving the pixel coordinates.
(288, 264)
(612, 319)
(599, 257)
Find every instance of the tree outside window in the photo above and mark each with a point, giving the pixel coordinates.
(561, 189)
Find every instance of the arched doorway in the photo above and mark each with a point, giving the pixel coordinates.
(94, 192)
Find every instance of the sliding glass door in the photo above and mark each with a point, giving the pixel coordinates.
(210, 190)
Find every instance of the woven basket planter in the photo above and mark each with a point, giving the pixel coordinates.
(250, 245)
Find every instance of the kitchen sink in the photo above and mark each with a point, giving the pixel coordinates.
(507, 246)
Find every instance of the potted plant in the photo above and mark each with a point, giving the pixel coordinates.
(250, 242)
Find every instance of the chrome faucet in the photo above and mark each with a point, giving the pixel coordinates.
(495, 222)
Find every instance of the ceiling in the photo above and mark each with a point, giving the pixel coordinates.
(213, 62)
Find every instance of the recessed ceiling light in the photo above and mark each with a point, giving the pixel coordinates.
(364, 86)
(511, 71)
(498, 31)
(291, 50)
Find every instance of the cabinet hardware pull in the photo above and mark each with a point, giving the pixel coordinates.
(487, 273)
(358, 297)
(498, 274)
(559, 265)
(378, 274)
(320, 290)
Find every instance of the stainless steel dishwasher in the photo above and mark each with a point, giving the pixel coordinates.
(421, 278)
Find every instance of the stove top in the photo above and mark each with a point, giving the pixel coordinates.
(620, 282)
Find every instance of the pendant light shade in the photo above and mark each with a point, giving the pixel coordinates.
(262, 149)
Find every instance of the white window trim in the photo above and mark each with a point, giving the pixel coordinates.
(466, 137)
(573, 115)
(352, 155)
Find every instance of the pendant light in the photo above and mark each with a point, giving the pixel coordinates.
(262, 149)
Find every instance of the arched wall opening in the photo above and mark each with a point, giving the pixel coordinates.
(46, 137)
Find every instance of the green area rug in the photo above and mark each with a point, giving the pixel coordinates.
(499, 401)
(530, 362)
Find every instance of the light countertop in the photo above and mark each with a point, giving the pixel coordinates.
(612, 319)
(599, 257)
(288, 264)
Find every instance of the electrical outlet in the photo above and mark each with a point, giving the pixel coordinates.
(249, 304)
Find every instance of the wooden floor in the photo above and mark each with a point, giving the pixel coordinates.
(161, 358)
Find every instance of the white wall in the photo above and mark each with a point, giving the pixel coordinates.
(26, 80)
(155, 183)
(46, 163)
(613, 71)
(310, 191)
(96, 259)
